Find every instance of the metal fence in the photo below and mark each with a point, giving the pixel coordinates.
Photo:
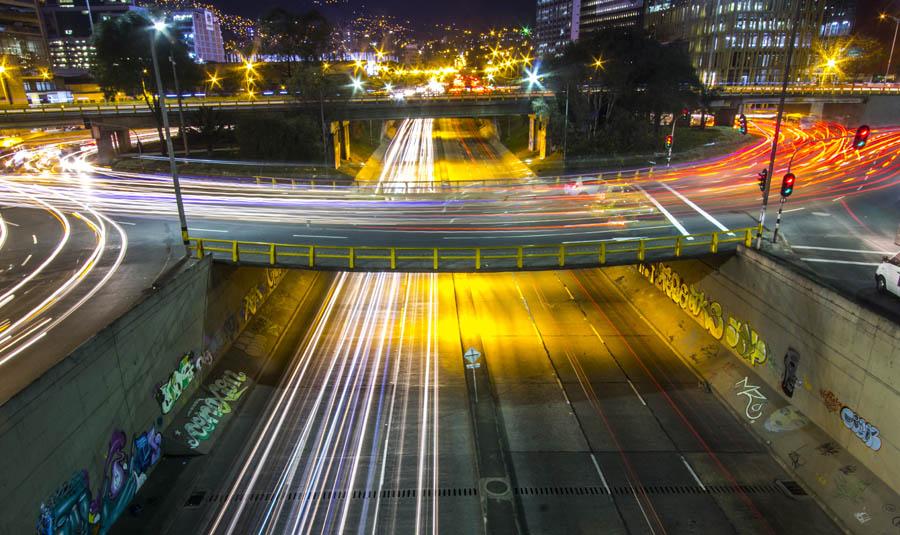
(490, 258)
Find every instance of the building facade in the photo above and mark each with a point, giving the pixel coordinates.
(599, 15)
(201, 31)
(558, 23)
(739, 42)
(21, 36)
(70, 24)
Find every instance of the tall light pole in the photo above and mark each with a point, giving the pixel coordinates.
(6, 96)
(158, 27)
(887, 72)
(182, 132)
(784, 84)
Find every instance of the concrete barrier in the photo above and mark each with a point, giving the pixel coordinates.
(835, 361)
(79, 442)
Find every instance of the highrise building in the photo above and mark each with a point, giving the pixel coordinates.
(605, 14)
(201, 31)
(21, 37)
(70, 27)
(838, 18)
(560, 22)
(738, 42)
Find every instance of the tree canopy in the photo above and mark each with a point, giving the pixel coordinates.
(295, 37)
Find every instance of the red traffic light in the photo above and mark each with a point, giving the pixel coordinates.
(763, 176)
(669, 141)
(862, 135)
(787, 184)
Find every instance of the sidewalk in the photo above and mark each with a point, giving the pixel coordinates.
(208, 437)
(851, 494)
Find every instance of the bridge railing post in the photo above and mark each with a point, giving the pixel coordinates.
(199, 248)
(393, 258)
(477, 258)
(272, 255)
(312, 256)
(642, 250)
(677, 245)
(519, 257)
(714, 243)
(235, 255)
(435, 258)
(602, 255)
(352, 257)
(562, 255)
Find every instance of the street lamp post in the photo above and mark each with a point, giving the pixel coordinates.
(181, 130)
(784, 84)
(896, 20)
(161, 95)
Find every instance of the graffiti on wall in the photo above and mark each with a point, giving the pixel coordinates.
(169, 392)
(831, 401)
(206, 413)
(237, 319)
(789, 377)
(756, 401)
(866, 432)
(71, 508)
(734, 332)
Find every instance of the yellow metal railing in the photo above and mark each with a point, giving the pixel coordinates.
(494, 258)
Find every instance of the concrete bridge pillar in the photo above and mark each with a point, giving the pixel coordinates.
(542, 137)
(110, 142)
(345, 138)
(531, 119)
(335, 136)
(817, 110)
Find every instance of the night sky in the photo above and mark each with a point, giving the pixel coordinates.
(479, 13)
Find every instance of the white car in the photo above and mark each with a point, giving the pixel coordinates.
(887, 275)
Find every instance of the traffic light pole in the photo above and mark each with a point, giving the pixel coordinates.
(669, 155)
(778, 221)
(784, 84)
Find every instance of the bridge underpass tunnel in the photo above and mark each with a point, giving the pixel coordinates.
(498, 403)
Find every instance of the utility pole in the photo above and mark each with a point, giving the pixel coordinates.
(784, 84)
(566, 129)
(887, 71)
(181, 131)
(161, 96)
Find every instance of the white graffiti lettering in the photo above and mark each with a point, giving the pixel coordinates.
(169, 392)
(206, 413)
(866, 432)
(755, 399)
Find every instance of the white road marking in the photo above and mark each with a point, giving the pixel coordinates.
(793, 210)
(27, 258)
(318, 236)
(666, 213)
(830, 261)
(821, 214)
(691, 470)
(126, 223)
(699, 210)
(210, 230)
(34, 238)
(8, 222)
(600, 472)
(636, 393)
(838, 198)
(839, 250)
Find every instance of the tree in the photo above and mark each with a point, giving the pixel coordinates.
(124, 63)
(295, 37)
(312, 82)
(210, 125)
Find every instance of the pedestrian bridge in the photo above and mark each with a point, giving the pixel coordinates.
(471, 259)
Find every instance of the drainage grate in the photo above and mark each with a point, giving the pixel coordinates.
(402, 494)
(195, 499)
(791, 487)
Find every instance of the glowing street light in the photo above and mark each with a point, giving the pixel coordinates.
(598, 63)
(159, 27)
(357, 84)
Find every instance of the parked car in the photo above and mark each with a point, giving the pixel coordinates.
(887, 275)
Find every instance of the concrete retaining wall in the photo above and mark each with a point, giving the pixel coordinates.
(846, 359)
(79, 442)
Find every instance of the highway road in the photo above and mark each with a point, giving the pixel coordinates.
(377, 426)
(841, 219)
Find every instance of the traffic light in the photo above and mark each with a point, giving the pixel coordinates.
(787, 184)
(668, 141)
(742, 123)
(685, 114)
(763, 175)
(862, 135)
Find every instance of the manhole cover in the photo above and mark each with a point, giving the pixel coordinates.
(195, 499)
(496, 486)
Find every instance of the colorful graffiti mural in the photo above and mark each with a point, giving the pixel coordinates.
(866, 432)
(205, 414)
(755, 399)
(735, 333)
(71, 510)
(169, 392)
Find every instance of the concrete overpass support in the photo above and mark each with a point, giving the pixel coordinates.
(817, 110)
(110, 142)
(345, 138)
(531, 121)
(335, 136)
(542, 137)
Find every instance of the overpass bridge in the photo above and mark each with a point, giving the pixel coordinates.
(471, 258)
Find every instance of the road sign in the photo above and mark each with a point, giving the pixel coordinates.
(473, 365)
(472, 355)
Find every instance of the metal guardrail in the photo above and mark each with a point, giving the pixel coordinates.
(845, 89)
(189, 104)
(490, 258)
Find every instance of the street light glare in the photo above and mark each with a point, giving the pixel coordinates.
(159, 25)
